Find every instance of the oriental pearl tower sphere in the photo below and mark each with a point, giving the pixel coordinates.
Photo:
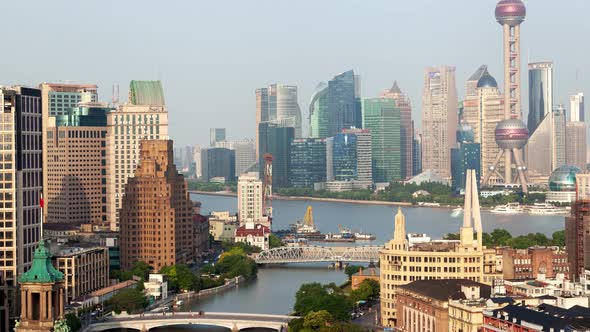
(511, 133)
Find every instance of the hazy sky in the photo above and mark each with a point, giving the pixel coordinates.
(212, 55)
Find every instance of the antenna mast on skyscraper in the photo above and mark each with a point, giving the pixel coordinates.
(115, 99)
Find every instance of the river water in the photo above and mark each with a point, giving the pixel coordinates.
(273, 292)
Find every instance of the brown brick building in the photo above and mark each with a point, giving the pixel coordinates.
(577, 238)
(76, 167)
(156, 212)
(528, 263)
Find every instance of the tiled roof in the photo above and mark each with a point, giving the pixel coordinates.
(258, 230)
(443, 289)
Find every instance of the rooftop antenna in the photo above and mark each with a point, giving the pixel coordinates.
(115, 99)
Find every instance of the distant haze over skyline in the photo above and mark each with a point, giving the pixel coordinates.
(212, 55)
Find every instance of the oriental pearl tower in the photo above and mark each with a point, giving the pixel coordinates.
(511, 134)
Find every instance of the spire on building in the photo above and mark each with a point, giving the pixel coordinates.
(395, 88)
(399, 232)
(471, 211)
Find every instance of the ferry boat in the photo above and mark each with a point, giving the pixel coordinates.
(545, 209)
(510, 208)
(330, 237)
(456, 212)
(364, 236)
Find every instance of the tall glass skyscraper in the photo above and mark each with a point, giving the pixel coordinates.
(308, 161)
(348, 156)
(318, 112)
(382, 118)
(465, 155)
(343, 104)
(276, 140)
(540, 93)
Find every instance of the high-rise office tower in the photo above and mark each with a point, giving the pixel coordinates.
(576, 144)
(308, 162)
(382, 118)
(216, 135)
(218, 163)
(402, 102)
(277, 104)
(417, 153)
(439, 119)
(511, 133)
(546, 148)
(343, 103)
(483, 109)
(197, 161)
(21, 160)
(156, 214)
(127, 126)
(245, 155)
(77, 168)
(540, 93)
(318, 112)
(276, 141)
(464, 156)
(57, 99)
(349, 156)
(576, 107)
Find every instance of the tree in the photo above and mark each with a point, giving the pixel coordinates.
(558, 238)
(73, 322)
(181, 277)
(274, 241)
(128, 299)
(315, 297)
(368, 289)
(141, 269)
(351, 269)
(296, 325)
(316, 319)
(500, 237)
(61, 325)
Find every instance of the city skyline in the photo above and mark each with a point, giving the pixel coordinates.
(289, 60)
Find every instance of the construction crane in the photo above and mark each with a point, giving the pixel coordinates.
(308, 218)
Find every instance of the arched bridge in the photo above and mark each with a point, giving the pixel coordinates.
(308, 254)
(233, 321)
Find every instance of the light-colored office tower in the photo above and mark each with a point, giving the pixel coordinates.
(21, 128)
(511, 133)
(156, 214)
(576, 144)
(483, 109)
(546, 147)
(57, 99)
(250, 207)
(403, 262)
(76, 166)
(382, 118)
(540, 93)
(318, 112)
(126, 128)
(197, 161)
(245, 155)
(577, 108)
(402, 102)
(216, 135)
(439, 119)
(277, 104)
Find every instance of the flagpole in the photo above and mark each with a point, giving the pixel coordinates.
(42, 206)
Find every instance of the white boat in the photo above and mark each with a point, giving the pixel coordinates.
(510, 208)
(545, 209)
(456, 212)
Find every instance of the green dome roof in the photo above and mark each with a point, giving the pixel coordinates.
(42, 271)
(564, 178)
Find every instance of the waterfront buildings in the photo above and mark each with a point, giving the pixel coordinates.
(439, 119)
(126, 128)
(157, 286)
(530, 263)
(277, 105)
(483, 110)
(382, 118)
(344, 109)
(349, 156)
(318, 112)
(357, 279)
(85, 269)
(402, 102)
(218, 163)
(156, 214)
(540, 93)
(576, 146)
(423, 305)
(253, 234)
(76, 166)
(216, 135)
(308, 162)
(250, 206)
(41, 293)
(402, 263)
(21, 180)
(562, 185)
(464, 155)
(577, 108)
(201, 226)
(276, 140)
(546, 148)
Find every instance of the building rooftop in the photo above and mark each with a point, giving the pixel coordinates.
(113, 288)
(546, 317)
(445, 289)
(371, 271)
(146, 93)
(42, 271)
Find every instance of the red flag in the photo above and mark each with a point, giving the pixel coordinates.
(41, 202)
